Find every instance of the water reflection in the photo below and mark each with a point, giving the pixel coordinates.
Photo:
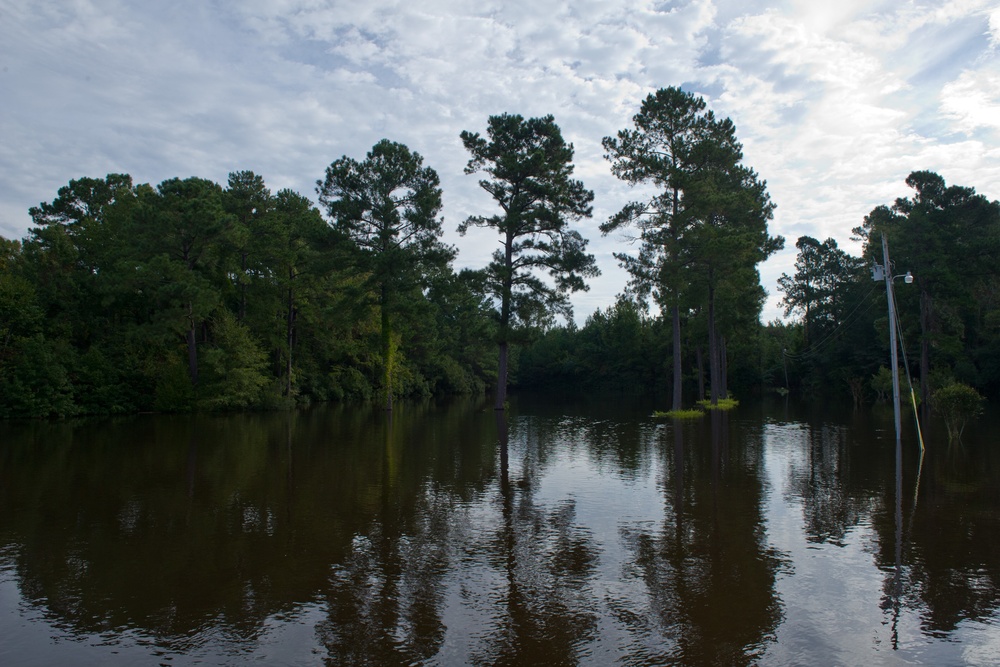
(708, 569)
(197, 529)
(947, 551)
(543, 610)
(831, 484)
(384, 597)
(566, 533)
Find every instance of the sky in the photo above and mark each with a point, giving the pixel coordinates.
(835, 102)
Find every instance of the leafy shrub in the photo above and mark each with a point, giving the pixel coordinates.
(957, 403)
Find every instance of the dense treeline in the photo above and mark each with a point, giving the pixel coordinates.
(699, 240)
(188, 295)
(947, 237)
(127, 297)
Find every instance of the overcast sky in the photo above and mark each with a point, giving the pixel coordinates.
(836, 102)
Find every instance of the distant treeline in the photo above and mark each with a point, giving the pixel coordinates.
(127, 298)
(188, 295)
(946, 237)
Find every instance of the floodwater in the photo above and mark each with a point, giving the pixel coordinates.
(570, 532)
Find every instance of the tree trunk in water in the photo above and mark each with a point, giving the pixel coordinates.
(676, 315)
(925, 353)
(290, 335)
(504, 437)
(387, 355)
(192, 345)
(701, 373)
(723, 368)
(713, 349)
(501, 396)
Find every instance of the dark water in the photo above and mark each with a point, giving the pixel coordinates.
(596, 535)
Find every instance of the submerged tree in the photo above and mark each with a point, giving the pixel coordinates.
(388, 205)
(529, 167)
(707, 220)
(658, 152)
(957, 403)
(728, 238)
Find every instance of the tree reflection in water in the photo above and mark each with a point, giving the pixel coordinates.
(943, 560)
(384, 598)
(524, 576)
(709, 573)
(450, 536)
(545, 609)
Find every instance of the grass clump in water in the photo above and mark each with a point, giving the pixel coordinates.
(723, 404)
(679, 414)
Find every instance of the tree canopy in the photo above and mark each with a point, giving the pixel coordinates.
(388, 207)
(193, 295)
(529, 168)
(704, 230)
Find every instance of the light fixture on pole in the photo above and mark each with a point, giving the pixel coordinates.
(884, 272)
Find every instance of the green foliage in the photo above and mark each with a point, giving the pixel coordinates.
(702, 234)
(388, 206)
(235, 367)
(832, 352)
(34, 381)
(679, 414)
(174, 391)
(822, 270)
(188, 296)
(948, 236)
(957, 403)
(102, 385)
(529, 168)
(615, 350)
(721, 404)
(881, 383)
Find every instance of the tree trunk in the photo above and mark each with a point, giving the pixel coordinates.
(508, 283)
(701, 372)
(387, 352)
(713, 348)
(192, 345)
(289, 336)
(723, 368)
(805, 326)
(676, 316)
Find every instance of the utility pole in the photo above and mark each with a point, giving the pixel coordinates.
(892, 334)
(884, 272)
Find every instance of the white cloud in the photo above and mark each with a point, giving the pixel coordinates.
(835, 102)
(972, 101)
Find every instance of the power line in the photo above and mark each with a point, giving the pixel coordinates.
(909, 379)
(816, 348)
